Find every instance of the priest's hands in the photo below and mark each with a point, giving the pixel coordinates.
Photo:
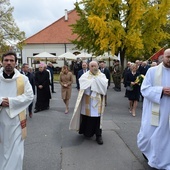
(166, 91)
(5, 102)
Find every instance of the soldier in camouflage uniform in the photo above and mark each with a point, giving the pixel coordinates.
(117, 75)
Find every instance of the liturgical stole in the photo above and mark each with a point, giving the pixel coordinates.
(22, 115)
(156, 107)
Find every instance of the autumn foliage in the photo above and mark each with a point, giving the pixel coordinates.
(131, 27)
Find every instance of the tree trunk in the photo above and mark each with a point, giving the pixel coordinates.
(122, 57)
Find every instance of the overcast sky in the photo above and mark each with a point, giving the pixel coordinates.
(32, 16)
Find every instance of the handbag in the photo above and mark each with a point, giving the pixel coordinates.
(129, 88)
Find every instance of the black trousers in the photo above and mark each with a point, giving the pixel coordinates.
(52, 85)
(90, 126)
(30, 107)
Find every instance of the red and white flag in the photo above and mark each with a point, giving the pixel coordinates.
(157, 54)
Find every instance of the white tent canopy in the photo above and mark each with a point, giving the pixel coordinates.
(67, 55)
(84, 55)
(44, 55)
(109, 57)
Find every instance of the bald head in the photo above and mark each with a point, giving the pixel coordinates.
(166, 58)
(167, 52)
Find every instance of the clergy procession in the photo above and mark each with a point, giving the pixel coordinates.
(92, 118)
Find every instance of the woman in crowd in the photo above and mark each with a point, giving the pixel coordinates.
(66, 80)
(133, 92)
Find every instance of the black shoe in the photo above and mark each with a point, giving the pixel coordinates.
(35, 111)
(99, 140)
(80, 132)
(53, 92)
(30, 114)
(117, 89)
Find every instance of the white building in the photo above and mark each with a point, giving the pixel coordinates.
(54, 39)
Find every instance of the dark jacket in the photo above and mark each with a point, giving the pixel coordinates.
(107, 74)
(80, 73)
(31, 80)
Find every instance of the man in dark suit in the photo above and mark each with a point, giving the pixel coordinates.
(25, 71)
(50, 67)
(125, 72)
(103, 69)
(144, 68)
(77, 67)
(82, 71)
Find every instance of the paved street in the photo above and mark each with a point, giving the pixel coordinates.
(51, 146)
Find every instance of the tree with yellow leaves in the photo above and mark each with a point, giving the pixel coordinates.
(131, 27)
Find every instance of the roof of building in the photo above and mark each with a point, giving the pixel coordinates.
(58, 32)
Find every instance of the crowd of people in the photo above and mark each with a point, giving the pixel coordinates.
(134, 71)
(148, 82)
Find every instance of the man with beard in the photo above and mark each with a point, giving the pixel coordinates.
(89, 108)
(154, 134)
(15, 96)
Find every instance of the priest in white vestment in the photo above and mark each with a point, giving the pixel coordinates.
(13, 113)
(154, 136)
(89, 108)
